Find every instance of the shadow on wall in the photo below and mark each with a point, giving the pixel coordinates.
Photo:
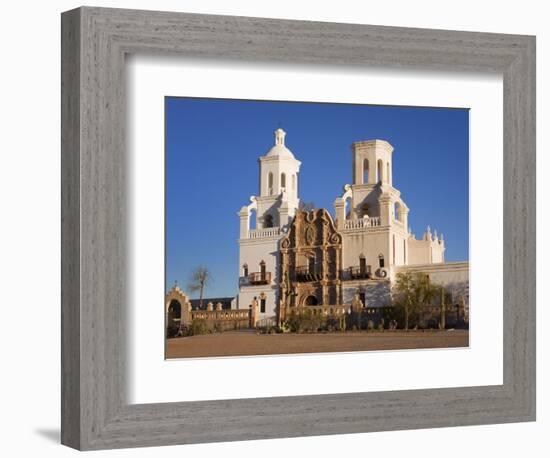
(377, 295)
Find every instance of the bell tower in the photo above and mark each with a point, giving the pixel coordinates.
(278, 194)
(274, 207)
(372, 162)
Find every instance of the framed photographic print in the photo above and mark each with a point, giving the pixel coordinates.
(339, 218)
(304, 271)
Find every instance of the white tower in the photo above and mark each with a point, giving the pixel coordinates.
(371, 214)
(275, 206)
(278, 194)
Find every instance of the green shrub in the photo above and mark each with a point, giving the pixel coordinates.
(264, 329)
(284, 327)
(305, 322)
(332, 323)
(198, 327)
(353, 320)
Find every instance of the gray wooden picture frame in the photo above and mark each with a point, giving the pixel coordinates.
(95, 412)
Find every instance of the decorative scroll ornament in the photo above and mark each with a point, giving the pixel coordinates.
(335, 238)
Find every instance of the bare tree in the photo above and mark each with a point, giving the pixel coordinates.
(200, 278)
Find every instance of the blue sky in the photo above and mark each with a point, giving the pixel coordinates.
(212, 148)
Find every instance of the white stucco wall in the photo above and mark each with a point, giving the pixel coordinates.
(425, 251)
(455, 276)
(370, 243)
(252, 252)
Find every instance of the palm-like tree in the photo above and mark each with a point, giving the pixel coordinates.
(200, 278)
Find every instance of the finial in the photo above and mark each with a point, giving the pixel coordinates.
(280, 136)
(428, 234)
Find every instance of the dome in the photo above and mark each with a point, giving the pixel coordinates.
(279, 149)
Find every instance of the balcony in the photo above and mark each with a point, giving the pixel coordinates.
(359, 272)
(259, 278)
(306, 274)
(263, 233)
(362, 223)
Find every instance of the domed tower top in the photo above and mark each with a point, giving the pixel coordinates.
(279, 170)
(279, 149)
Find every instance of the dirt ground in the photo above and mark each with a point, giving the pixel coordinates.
(243, 343)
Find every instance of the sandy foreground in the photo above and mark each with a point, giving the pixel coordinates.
(246, 343)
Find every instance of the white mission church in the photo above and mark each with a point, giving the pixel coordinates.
(298, 258)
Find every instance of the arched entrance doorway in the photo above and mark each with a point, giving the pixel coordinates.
(173, 318)
(311, 300)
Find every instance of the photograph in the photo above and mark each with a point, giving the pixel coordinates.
(298, 227)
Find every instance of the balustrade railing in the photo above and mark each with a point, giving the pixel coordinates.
(356, 272)
(306, 273)
(259, 278)
(220, 314)
(265, 232)
(361, 223)
(322, 310)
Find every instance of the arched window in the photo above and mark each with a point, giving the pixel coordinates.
(311, 265)
(311, 300)
(262, 304)
(380, 170)
(380, 260)
(270, 184)
(268, 221)
(365, 171)
(347, 208)
(364, 210)
(398, 212)
(252, 219)
(262, 270)
(283, 180)
(294, 182)
(245, 270)
(362, 265)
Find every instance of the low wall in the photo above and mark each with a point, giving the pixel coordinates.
(222, 320)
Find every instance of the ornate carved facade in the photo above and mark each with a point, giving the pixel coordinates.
(311, 261)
